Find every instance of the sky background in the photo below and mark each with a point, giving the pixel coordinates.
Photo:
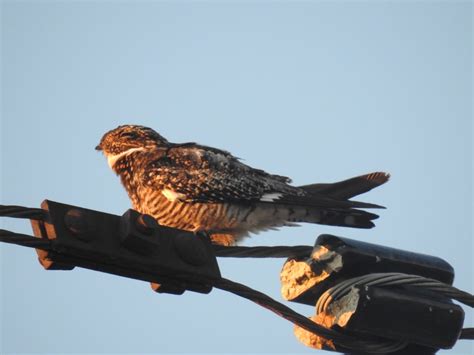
(319, 91)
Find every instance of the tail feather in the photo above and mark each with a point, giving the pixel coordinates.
(321, 201)
(329, 204)
(359, 219)
(344, 190)
(336, 217)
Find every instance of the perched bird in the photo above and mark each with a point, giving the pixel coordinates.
(199, 188)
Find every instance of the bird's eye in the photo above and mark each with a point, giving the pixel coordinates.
(127, 135)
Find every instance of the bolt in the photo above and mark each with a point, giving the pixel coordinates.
(77, 223)
(146, 224)
(191, 249)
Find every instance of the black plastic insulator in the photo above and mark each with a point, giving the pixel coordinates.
(133, 245)
(401, 315)
(335, 259)
(361, 258)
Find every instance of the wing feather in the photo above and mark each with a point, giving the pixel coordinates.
(200, 174)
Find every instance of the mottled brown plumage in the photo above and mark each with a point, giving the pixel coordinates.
(199, 188)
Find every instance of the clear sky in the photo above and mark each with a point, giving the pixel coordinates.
(319, 91)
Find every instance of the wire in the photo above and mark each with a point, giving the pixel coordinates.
(467, 333)
(24, 240)
(398, 279)
(263, 252)
(23, 212)
(342, 341)
(392, 279)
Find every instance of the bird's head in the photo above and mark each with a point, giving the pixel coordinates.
(126, 139)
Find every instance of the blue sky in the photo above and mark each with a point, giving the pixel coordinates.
(319, 91)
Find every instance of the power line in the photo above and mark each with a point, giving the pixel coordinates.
(175, 261)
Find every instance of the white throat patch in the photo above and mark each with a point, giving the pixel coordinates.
(112, 159)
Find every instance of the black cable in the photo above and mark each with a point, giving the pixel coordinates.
(467, 333)
(263, 252)
(24, 240)
(393, 279)
(23, 212)
(342, 341)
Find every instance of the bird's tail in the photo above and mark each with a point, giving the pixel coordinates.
(329, 204)
(346, 189)
(353, 218)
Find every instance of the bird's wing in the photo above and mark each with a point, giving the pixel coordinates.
(194, 173)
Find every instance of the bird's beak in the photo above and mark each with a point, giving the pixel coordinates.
(98, 147)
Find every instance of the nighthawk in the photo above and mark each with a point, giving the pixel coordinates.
(198, 188)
